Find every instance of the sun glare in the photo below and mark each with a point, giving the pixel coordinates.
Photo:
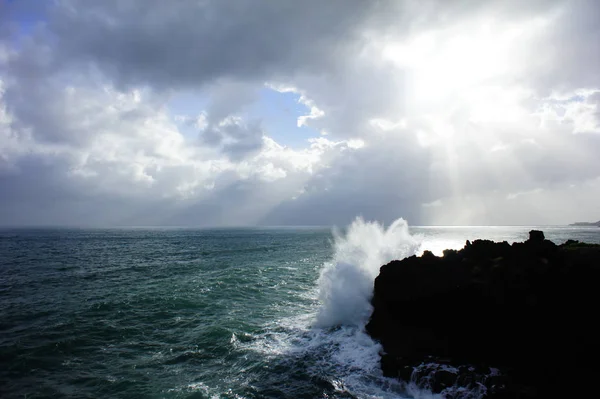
(460, 91)
(445, 63)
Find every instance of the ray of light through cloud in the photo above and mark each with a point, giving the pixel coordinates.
(158, 113)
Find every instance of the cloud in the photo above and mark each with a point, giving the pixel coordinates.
(193, 43)
(437, 111)
(234, 137)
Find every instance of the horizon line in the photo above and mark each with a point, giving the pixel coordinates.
(57, 226)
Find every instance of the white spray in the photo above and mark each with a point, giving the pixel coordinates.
(346, 354)
(346, 284)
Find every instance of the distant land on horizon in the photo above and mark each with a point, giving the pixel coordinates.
(597, 224)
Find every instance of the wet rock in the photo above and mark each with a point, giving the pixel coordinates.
(526, 309)
(536, 236)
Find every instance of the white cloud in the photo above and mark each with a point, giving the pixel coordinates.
(433, 110)
(578, 110)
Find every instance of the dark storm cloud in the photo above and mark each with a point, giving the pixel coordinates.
(189, 43)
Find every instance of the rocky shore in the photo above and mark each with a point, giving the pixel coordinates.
(508, 321)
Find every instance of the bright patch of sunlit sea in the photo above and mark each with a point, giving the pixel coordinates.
(223, 313)
(438, 238)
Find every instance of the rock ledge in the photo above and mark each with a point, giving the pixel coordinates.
(516, 321)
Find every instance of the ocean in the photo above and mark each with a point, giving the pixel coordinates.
(206, 313)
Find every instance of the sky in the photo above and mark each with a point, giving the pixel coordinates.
(248, 112)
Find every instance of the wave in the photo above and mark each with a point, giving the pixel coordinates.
(328, 342)
(346, 283)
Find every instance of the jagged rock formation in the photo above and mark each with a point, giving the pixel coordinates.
(519, 321)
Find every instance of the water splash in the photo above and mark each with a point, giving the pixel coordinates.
(328, 343)
(346, 283)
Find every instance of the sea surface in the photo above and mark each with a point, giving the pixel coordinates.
(213, 313)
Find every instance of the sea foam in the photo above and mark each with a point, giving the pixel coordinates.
(346, 283)
(330, 341)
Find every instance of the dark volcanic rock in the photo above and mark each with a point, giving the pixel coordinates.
(527, 309)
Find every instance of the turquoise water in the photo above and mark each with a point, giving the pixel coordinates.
(183, 313)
